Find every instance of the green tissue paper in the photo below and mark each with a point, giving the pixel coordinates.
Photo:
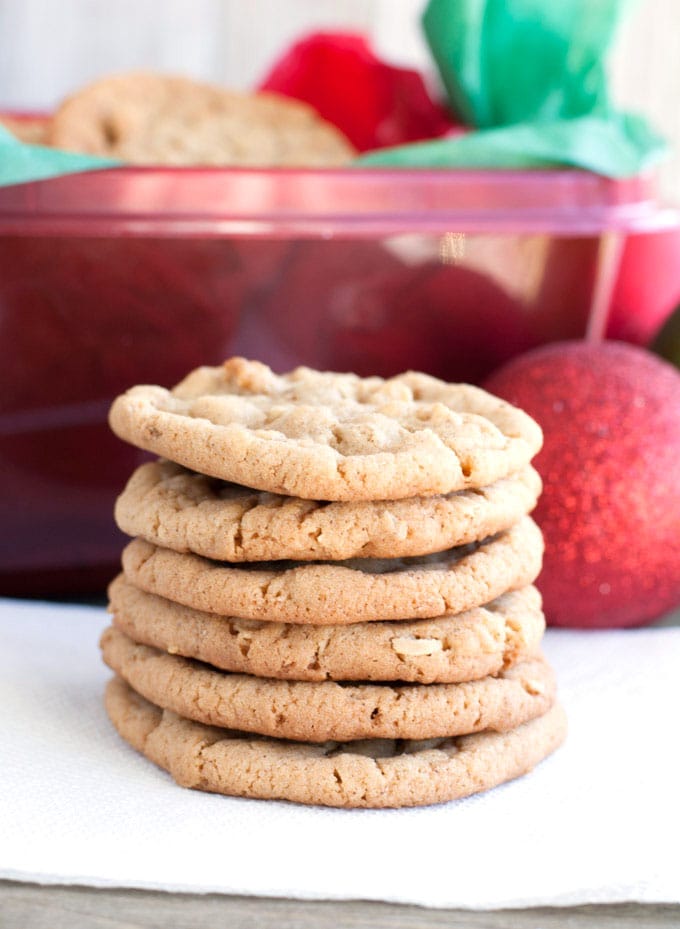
(616, 147)
(510, 61)
(530, 75)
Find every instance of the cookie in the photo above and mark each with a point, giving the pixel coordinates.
(373, 773)
(152, 119)
(336, 593)
(187, 512)
(324, 436)
(317, 712)
(458, 648)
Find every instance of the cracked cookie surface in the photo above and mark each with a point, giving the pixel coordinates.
(321, 711)
(325, 436)
(175, 508)
(372, 773)
(335, 593)
(452, 649)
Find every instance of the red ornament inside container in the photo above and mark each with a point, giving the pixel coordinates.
(374, 103)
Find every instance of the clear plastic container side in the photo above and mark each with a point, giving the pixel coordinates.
(99, 294)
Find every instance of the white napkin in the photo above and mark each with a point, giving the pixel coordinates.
(598, 822)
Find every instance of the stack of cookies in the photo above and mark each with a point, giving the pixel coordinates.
(329, 595)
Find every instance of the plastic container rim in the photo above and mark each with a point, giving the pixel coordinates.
(362, 202)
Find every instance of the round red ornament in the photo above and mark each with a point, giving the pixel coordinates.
(610, 510)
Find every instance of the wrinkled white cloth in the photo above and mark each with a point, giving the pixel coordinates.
(598, 822)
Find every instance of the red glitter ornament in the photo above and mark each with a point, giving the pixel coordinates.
(610, 511)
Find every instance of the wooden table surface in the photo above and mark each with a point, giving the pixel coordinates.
(28, 906)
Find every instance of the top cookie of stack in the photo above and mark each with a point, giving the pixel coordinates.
(325, 436)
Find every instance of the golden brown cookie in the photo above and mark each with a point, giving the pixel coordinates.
(372, 773)
(324, 436)
(452, 649)
(154, 119)
(174, 508)
(335, 593)
(318, 712)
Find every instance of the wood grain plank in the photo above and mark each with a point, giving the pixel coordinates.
(29, 906)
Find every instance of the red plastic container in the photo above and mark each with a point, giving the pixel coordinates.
(137, 275)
